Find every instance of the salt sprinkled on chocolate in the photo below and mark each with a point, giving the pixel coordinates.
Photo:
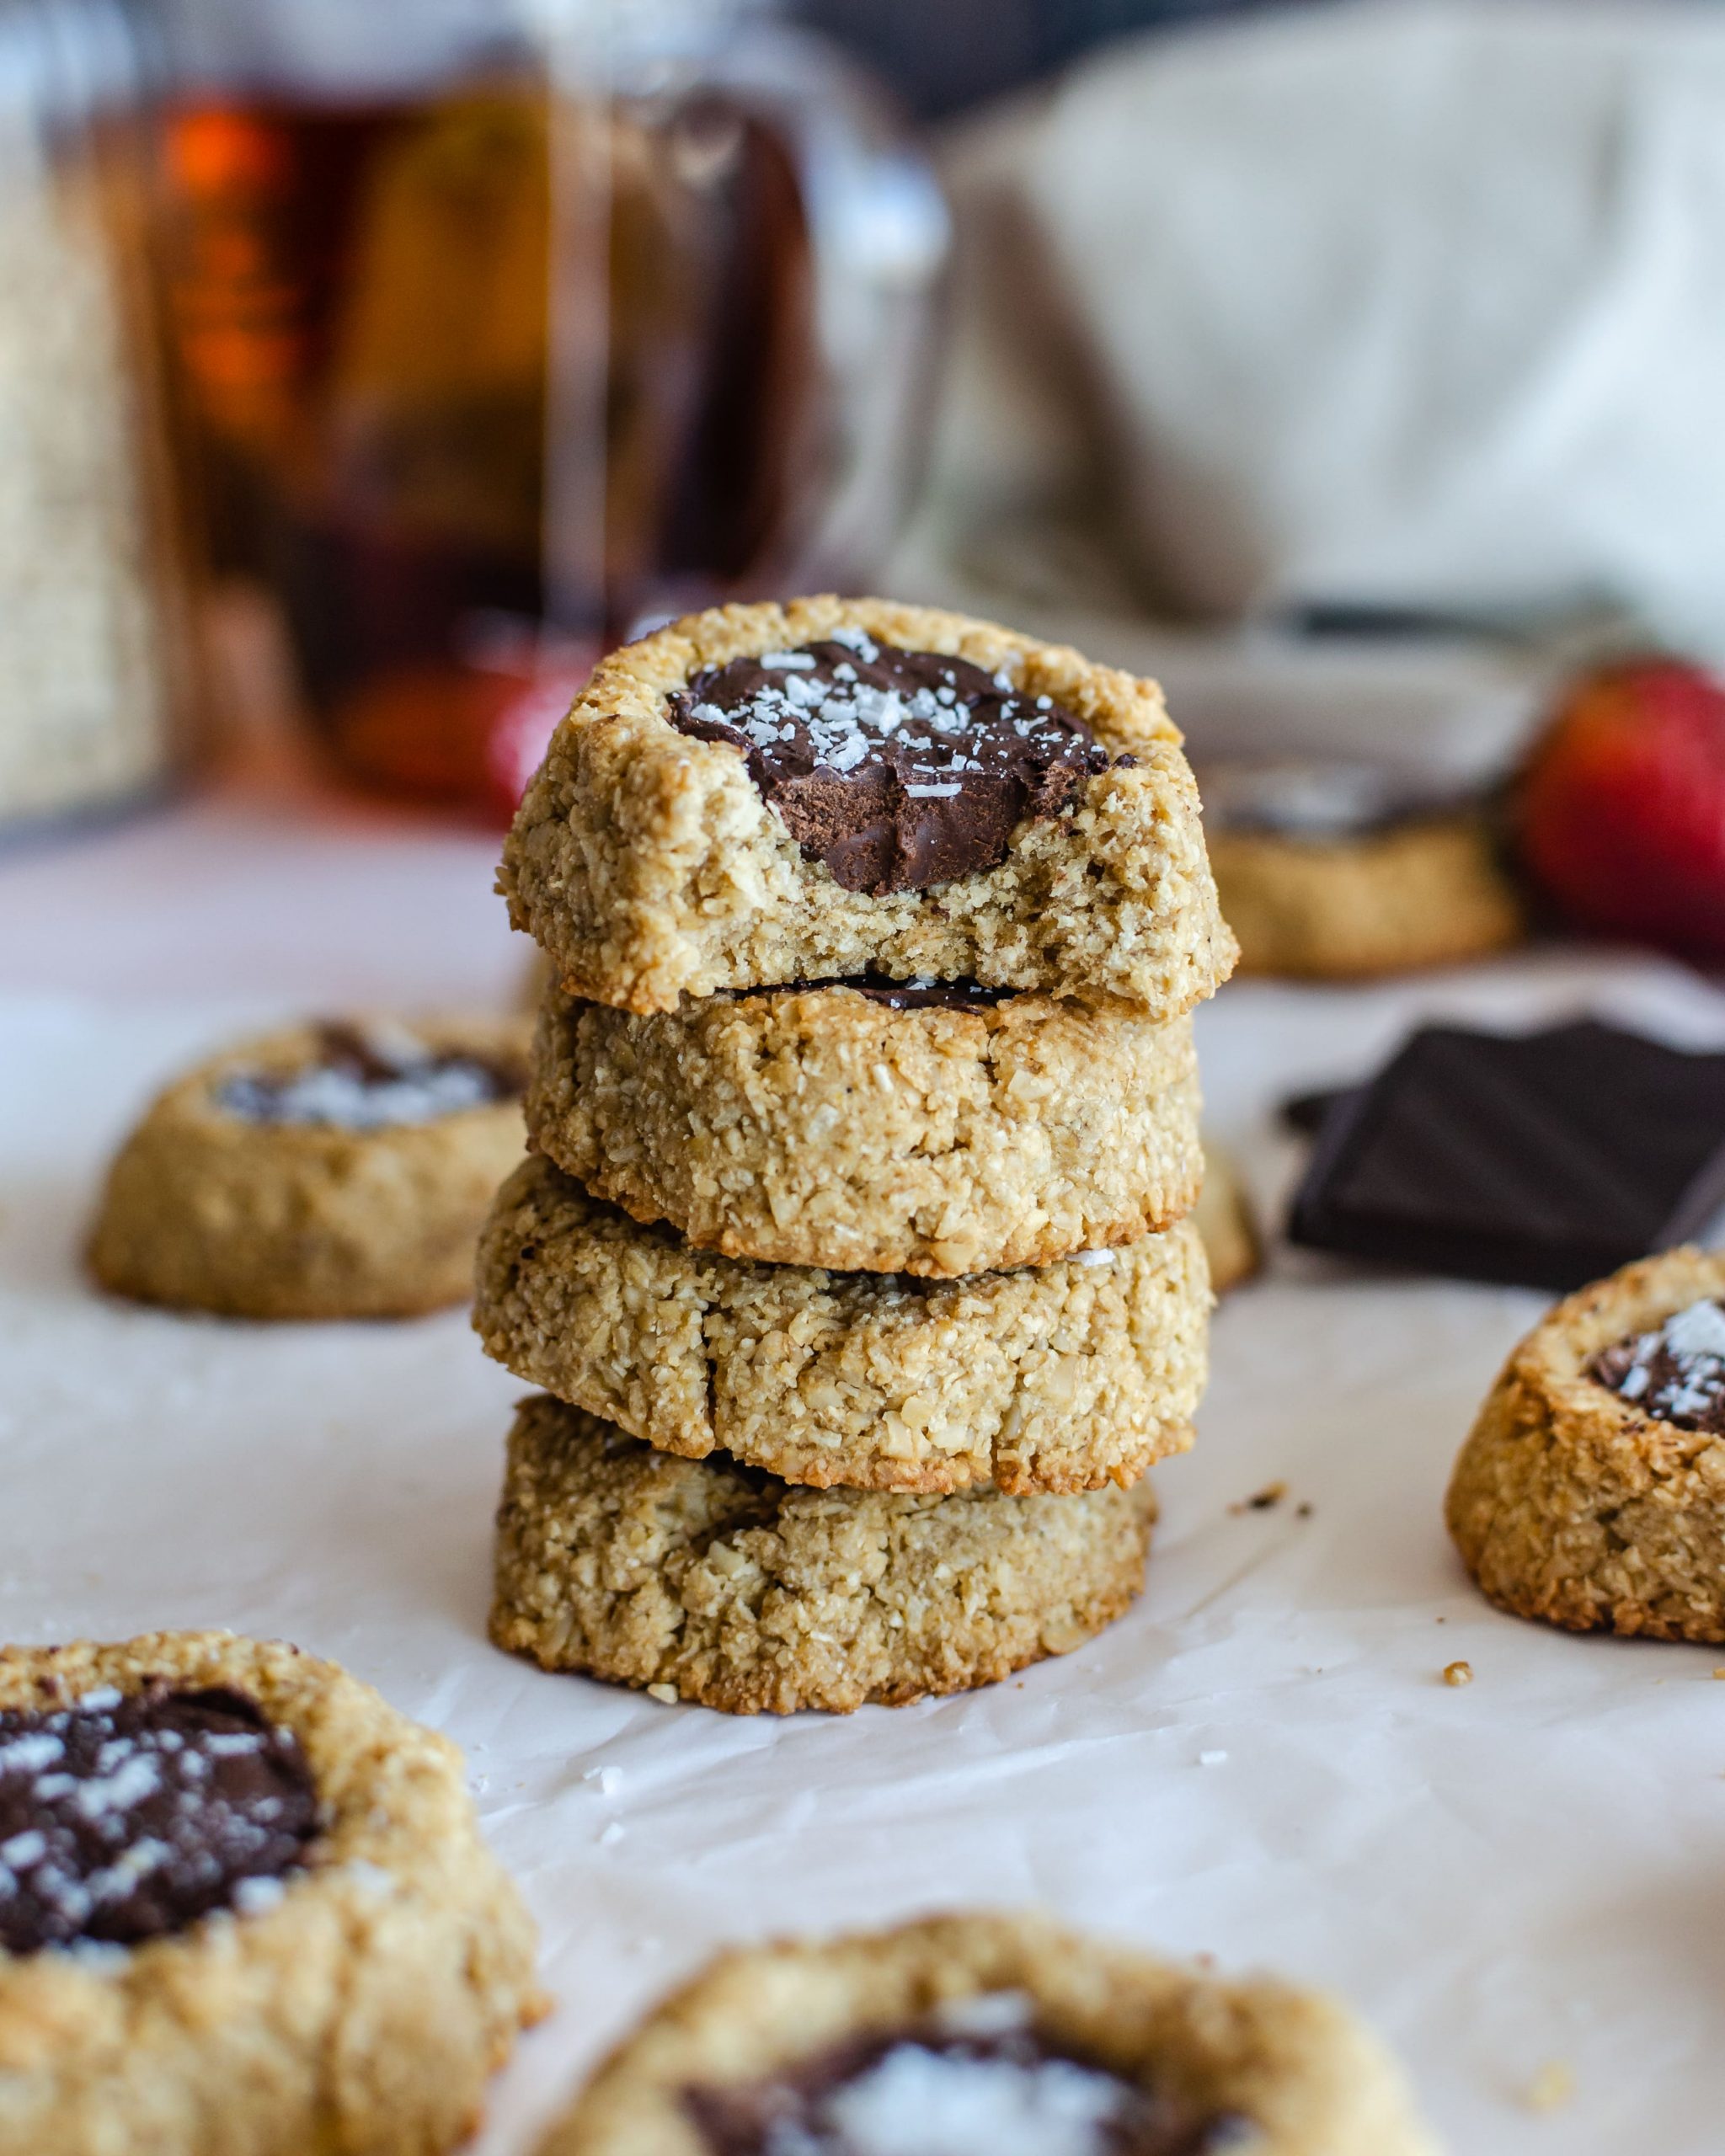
(900, 769)
(368, 1078)
(126, 1817)
(976, 2080)
(915, 2101)
(1676, 1372)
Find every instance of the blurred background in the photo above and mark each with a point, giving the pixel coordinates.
(365, 372)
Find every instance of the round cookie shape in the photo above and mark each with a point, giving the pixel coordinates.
(1342, 870)
(649, 863)
(1061, 1378)
(322, 1172)
(359, 1994)
(718, 1584)
(985, 2018)
(931, 1130)
(1428, 894)
(1586, 1499)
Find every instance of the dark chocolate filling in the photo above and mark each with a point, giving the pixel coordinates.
(811, 2109)
(368, 1080)
(907, 995)
(1675, 1372)
(900, 770)
(126, 1816)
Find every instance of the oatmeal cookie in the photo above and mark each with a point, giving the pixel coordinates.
(1591, 1491)
(1333, 870)
(1009, 2030)
(933, 1129)
(1063, 1379)
(727, 1586)
(766, 794)
(1429, 894)
(340, 1170)
(243, 1905)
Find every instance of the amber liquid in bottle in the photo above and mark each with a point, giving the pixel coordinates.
(363, 300)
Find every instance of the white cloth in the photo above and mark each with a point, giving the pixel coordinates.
(1418, 304)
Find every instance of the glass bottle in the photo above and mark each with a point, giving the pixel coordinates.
(95, 679)
(508, 326)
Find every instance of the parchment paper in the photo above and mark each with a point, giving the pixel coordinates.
(1525, 1873)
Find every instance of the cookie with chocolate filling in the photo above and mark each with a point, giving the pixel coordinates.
(244, 1904)
(977, 2033)
(1064, 1378)
(332, 1170)
(719, 1584)
(765, 794)
(935, 1129)
(1333, 871)
(1591, 1492)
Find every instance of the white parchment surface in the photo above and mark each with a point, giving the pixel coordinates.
(1260, 1762)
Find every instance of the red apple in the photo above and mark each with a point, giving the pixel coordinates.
(521, 730)
(1622, 812)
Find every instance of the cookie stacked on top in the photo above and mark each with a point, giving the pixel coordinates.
(854, 1253)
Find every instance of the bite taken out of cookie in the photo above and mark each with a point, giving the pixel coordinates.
(829, 788)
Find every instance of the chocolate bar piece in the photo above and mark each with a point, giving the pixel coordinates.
(1304, 1113)
(1546, 1160)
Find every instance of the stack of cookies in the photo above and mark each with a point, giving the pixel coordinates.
(853, 1254)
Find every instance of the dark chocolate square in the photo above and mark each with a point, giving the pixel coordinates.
(1543, 1159)
(1305, 1112)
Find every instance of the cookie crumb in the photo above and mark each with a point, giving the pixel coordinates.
(1550, 2088)
(1458, 1673)
(1262, 1501)
(1720, 1671)
(666, 1693)
(1303, 1510)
